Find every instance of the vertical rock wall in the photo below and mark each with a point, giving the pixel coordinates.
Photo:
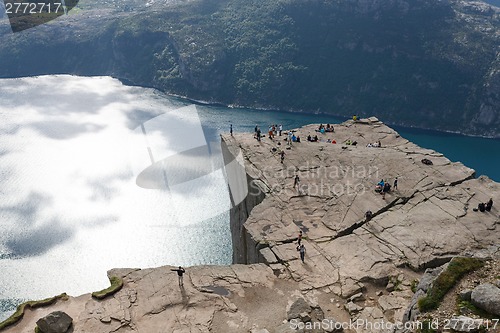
(245, 248)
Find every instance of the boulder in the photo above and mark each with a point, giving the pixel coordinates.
(297, 308)
(55, 322)
(487, 297)
(465, 295)
(352, 308)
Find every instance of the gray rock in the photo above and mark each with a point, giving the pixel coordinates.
(428, 278)
(465, 295)
(390, 287)
(268, 255)
(55, 322)
(487, 297)
(497, 283)
(464, 324)
(352, 308)
(297, 308)
(357, 297)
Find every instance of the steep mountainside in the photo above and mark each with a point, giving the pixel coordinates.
(423, 63)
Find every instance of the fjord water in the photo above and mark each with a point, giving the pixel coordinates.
(70, 208)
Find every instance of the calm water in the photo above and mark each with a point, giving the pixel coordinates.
(70, 206)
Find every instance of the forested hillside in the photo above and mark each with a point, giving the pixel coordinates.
(423, 63)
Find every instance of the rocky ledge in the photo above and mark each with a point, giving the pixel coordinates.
(356, 268)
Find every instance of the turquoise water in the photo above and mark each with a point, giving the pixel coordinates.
(480, 154)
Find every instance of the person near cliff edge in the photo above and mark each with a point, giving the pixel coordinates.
(180, 272)
(302, 251)
(231, 129)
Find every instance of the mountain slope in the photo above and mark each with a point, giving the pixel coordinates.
(423, 63)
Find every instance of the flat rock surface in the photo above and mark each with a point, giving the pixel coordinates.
(423, 223)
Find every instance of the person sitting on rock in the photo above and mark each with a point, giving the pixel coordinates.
(489, 204)
(380, 186)
(481, 207)
(309, 138)
(298, 139)
(315, 139)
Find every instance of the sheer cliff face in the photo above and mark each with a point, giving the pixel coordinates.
(422, 63)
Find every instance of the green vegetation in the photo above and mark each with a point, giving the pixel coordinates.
(474, 309)
(413, 286)
(116, 285)
(420, 64)
(455, 270)
(18, 315)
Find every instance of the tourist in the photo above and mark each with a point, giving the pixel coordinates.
(180, 271)
(270, 132)
(380, 186)
(299, 238)
(258, 134)
(282, 156)
(315, 138)
(298, 139)
(302, 251)
(231, 129)
(309, 138)
(296, 181)
(290, 134)
(489, 204)
(280, 129)
(387, 188)
(395, 186)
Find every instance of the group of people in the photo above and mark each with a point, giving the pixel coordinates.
(377, 144)
(384, 187)
(312, 139)
(292, 138)
(323, 129)
(484, 207)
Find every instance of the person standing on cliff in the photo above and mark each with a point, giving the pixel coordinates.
(180, 271)
(296, 181)
(280, 127)
(302, 251)
(231, 129)
(299, 238)
(395, 187)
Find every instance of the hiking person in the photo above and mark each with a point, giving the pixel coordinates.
(282, 156)
(296, 181)
(299, 238)
(302, 251)
(180, 271)
(395, 186)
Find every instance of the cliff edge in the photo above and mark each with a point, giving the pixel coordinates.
(357, 267)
